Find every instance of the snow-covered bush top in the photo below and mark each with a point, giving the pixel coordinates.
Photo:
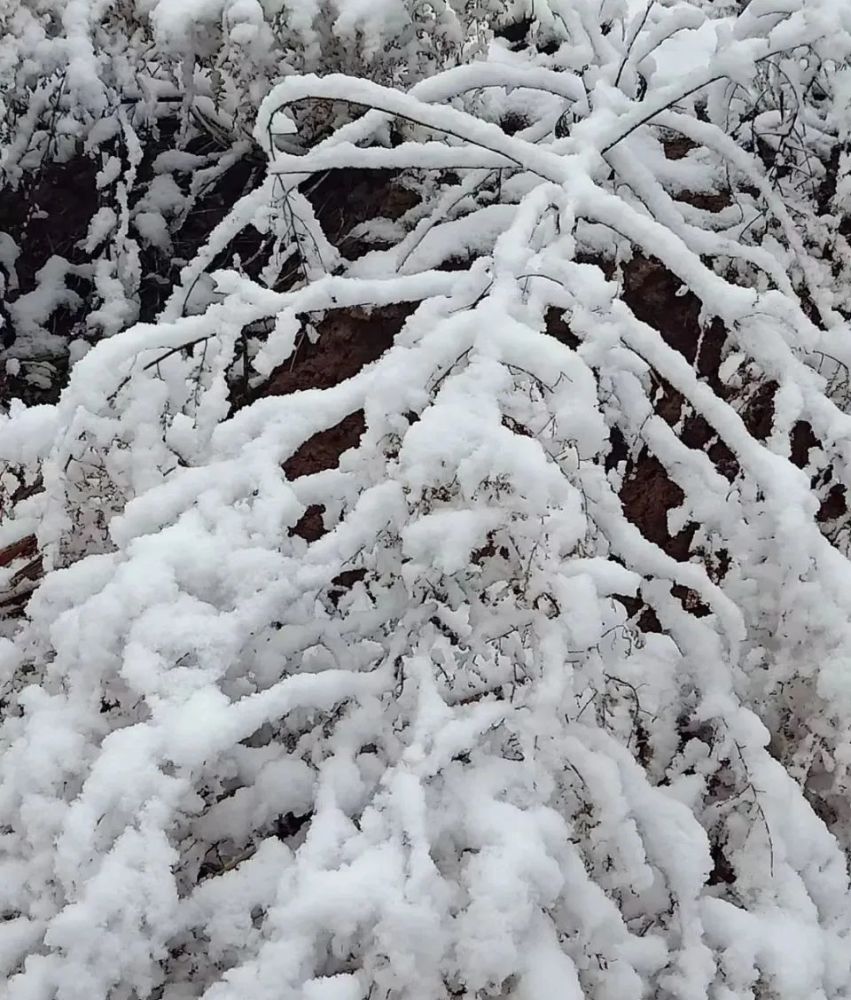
(427, 751)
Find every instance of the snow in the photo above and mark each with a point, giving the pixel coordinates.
(436, 751)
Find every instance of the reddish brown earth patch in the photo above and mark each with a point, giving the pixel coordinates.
(758, 413)
(320, 452)
(802, 442)
(24, 549)
(347, 341)
(323, 450)
(648, 495)
(16, 593)
(678, 147)
(834, 504)
(343, 199)
(556, 326)
(49, 214)
(708, 201)
(653, 294)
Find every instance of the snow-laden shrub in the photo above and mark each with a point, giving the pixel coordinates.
(160, 96)
(431, 751)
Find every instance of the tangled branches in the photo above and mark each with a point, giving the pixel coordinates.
(448, 714)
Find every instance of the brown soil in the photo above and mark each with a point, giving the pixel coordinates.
(343, 199)
(49, 214)
(651, 292)
(324, 449)
(24, 549)
(648, 495)
(833, 505)
(348, 339)
(708, 201)
(678, 147)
